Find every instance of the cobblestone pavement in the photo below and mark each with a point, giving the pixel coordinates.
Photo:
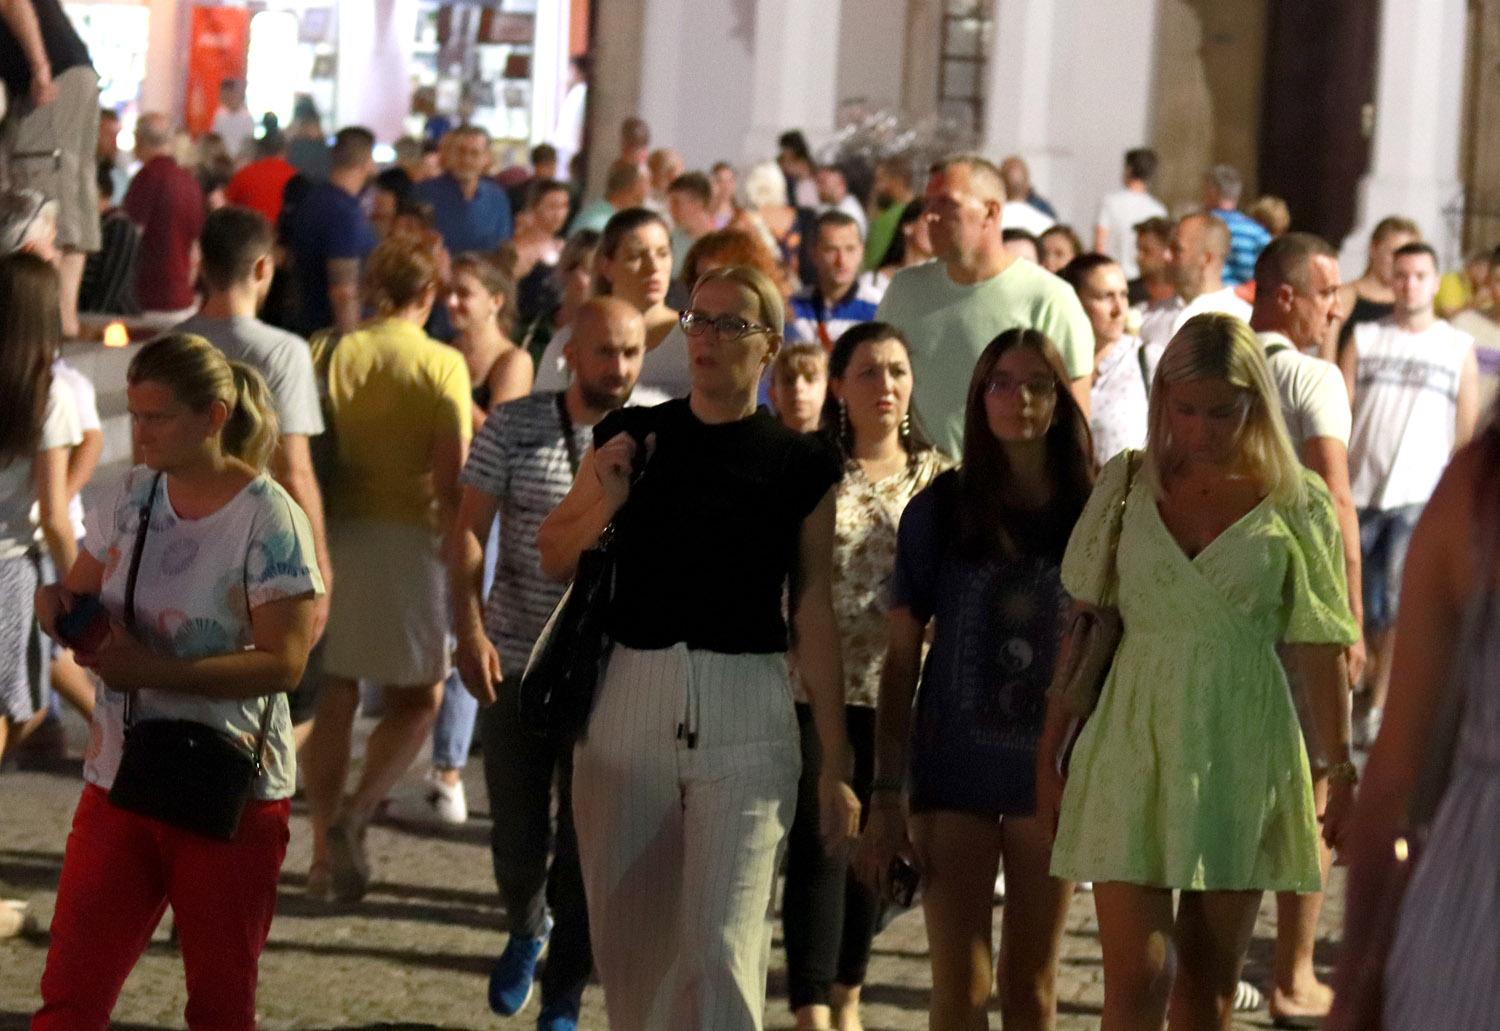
(415, 954)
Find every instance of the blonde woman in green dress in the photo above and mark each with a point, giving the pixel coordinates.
(1192, 774)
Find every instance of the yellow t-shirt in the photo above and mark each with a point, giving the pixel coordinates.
(393, 391)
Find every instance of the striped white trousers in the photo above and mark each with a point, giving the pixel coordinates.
(683, 791)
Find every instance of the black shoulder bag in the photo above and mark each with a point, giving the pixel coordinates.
(562, 675)
(182, 772)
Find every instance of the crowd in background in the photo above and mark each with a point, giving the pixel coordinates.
(873, 462)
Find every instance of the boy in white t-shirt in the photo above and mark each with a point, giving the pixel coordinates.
(1415, 387)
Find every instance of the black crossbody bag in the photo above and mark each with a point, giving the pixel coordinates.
(182, 772)
(562, 674)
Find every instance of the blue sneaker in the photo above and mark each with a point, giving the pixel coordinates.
(561, 1015)
(513, 976)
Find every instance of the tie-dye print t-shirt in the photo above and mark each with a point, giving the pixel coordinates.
(198, 581)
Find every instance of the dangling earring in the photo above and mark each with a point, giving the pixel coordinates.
(906, 430)
(846, 431)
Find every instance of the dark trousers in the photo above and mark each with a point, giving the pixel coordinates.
(520, 770)
(828, 917)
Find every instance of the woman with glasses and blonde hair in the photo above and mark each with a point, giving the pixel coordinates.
(685, 779)
(953, 794)
(1192, 774)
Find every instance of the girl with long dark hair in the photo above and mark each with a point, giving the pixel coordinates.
(954, 791)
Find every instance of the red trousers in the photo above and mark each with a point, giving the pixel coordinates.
(119, 874)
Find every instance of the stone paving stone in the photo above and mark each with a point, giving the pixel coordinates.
(415, 954)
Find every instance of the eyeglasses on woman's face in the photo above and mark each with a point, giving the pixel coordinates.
(727, 327)
(1001, 385)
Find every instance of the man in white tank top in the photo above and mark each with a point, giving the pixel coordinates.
(1415, 387)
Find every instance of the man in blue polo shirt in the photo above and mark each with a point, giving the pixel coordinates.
(839, 296)
(330, 238)
(1247, 237)
(470, 211)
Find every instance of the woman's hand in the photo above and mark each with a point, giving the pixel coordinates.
(52, 601)
(884, 839)
(1049, 791)
(122, 662)
(1337, 813)
(479, 667)
(614, 462)
(838, 812)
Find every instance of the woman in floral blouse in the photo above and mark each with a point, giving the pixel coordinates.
(829, 917)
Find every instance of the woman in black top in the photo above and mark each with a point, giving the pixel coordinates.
(686, 776)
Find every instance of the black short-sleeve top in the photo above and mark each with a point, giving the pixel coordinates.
(710, 533)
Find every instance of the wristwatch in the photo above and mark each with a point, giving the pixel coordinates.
(1343, 773)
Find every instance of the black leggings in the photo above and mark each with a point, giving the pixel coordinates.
(828, 917)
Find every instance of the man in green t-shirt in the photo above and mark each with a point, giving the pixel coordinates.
(950, 309)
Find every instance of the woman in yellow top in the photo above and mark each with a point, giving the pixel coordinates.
(402, 417)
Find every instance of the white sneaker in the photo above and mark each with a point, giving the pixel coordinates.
(435, 802)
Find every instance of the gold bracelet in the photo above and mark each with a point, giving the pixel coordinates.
(1343, 773)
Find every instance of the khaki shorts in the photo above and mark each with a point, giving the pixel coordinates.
(70, 126)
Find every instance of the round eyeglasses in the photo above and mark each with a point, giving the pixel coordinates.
(728, 327)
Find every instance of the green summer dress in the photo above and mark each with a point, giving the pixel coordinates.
(1192, 772)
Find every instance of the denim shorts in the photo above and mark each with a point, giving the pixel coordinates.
(1383, 539)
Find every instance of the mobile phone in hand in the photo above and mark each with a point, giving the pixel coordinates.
(84, 627)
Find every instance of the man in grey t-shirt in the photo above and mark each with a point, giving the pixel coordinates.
(236, 269)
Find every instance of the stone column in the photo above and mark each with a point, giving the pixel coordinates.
(374, 84)
(1418, 111)
(794, 63)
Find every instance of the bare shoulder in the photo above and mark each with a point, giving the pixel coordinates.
(1448, 527)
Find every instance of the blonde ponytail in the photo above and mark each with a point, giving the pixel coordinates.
(251, 432)
(198, 374)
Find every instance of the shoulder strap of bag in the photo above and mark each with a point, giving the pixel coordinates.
(567, 428)
(143, 526)
(1132, 463)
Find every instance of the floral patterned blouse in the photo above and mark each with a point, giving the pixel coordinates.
(864, 554)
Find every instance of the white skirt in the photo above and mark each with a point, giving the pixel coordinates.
(388, 615)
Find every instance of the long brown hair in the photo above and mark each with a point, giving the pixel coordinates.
(30, 332)
(990, 518)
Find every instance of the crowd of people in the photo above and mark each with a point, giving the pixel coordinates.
(874, 468)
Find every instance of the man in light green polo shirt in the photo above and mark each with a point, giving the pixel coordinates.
(951, 308)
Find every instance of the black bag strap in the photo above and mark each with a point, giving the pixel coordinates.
(567, 427)
(144, 527)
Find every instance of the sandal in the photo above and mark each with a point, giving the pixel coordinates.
(319, 884)
(1247, 998)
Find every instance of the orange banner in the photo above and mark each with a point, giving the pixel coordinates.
(219, 43)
